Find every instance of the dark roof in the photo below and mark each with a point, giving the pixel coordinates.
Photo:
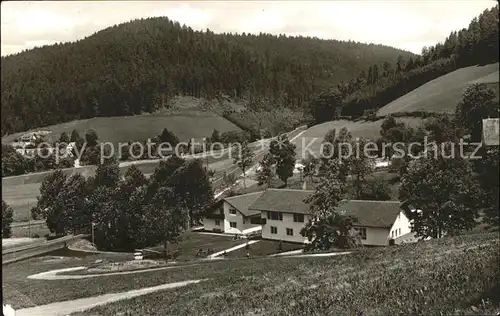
(242, 202)
(372, 213)
(368, 213)
(490, 132)
(283, 200)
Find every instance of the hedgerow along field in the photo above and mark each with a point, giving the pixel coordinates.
(444, 93)
(450, 276)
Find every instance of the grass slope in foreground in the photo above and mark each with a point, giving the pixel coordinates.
(444, 93)
(441, 275)
(447, 276)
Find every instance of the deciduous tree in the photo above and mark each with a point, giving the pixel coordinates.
(478, 103)
(49, 190)
(167, 218)
(444, 194)
(265, 172)
(284, 155)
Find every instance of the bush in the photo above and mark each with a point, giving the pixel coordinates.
(370, 115)
(233, 137)
(376, 190)
(280, 246)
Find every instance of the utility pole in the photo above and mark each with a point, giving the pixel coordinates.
(93, 224)
(29, 221)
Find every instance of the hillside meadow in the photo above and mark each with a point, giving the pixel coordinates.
(444, 93)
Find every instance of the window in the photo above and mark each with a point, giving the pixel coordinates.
(274, 230)
(256, 220)
(289, 232)
(399, 231)
(232, 224)
(298, 218)
(276, 216)
(217, 222)
(392, 233)
(232, 211)
(361, 232)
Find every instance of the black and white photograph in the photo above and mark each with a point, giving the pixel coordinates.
(250, 158)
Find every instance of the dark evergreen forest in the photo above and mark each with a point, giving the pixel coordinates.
(137, 66)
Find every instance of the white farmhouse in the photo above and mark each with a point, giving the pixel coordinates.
(284, 213)
(379, 222)
(280, 214)
(232, 216)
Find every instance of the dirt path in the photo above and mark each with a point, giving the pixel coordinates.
(78, 305)
(54, 274)
(251, 242)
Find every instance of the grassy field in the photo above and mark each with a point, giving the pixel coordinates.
(315, 134)
(185, 123)
(21, 199)
(444, 93)
(441, 276)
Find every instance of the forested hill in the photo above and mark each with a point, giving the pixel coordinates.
(137, 66)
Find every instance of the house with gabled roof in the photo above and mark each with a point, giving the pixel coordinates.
(232, 215)
(377, 221)
(284, 213)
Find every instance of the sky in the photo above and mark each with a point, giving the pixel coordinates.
(409, 25)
